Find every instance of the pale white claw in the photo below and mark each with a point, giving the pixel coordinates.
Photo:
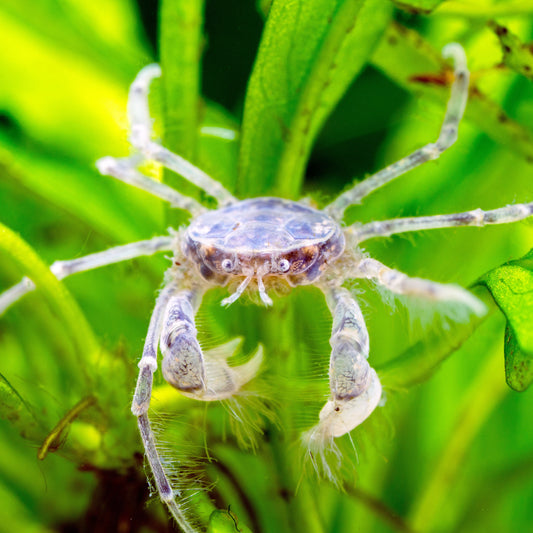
(223, 380)
(338, 418)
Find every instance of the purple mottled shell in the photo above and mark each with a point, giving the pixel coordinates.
(262, 225)
(261, 234)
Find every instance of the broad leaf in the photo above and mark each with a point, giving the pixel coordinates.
(180, 44)
(511, 286)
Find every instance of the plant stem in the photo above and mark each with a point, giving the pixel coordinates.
(77, 328)
(180, 51)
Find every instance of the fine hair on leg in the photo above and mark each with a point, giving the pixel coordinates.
(141, 402)
(401, 284)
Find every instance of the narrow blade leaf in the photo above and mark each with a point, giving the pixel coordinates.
(310, 52)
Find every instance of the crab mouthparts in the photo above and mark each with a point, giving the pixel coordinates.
(265, 298)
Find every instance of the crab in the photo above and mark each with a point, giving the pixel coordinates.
(259, 245)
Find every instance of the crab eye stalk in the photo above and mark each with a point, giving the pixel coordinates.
(284, 265)
(227, 265)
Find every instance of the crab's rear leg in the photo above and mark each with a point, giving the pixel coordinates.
(400, 283)
(447, 137)
(476, 217)
(124, 170)
(354, 385)
(141, 138)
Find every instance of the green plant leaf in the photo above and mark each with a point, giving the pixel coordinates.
(18, 412)
(225, 522)
(418, 6)
(309, 53)
(511, 286)
(405, 57)
(110, 42)
(516, 55)
(62, 303)
(484, 10)
(180, 44)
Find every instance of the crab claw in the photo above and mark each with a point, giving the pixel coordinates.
(222, 380)
(339, 417)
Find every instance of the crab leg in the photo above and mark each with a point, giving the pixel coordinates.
(141, 138)
(400, 283)
(477, 217)
(62, 269)
(447, 136)
(199, 375)
(354, 385)
(141, 402)
(124, 170)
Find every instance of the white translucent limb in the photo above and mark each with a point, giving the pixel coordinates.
(62, 269)
(141, 137)
(238, 292)
(203, 376)
(355, 386)
(15, 293)
(399, 283)
(148, 363)
(164, 488)
(124, 170)
(447, 136)
(477, 217)
(141, 402)
(265, 298)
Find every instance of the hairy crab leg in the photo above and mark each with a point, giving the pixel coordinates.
(199, 375)
(354, 385)
(447, 136)
(477, 217)
(400, 283)
(141, 402)
(141, 138)
(62, 269)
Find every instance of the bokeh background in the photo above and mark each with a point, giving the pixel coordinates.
(453, 453)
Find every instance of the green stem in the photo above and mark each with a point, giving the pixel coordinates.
(381, 510)
(180, 49)
(53, 439)
(60, 300)
(514, 8)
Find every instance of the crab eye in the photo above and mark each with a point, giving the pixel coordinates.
(227, 265)
(284, 265)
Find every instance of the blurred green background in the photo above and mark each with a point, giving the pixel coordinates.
(453, 453)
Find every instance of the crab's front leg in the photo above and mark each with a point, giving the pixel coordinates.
(203, 376)
(198, 375)
(354, 385)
